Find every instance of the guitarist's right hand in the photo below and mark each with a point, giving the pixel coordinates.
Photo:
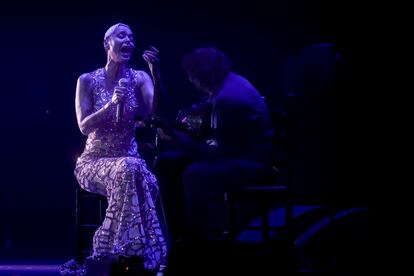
(161, 134)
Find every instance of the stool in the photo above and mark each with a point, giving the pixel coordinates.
(89, 214)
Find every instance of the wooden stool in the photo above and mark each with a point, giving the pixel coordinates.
(89, 214)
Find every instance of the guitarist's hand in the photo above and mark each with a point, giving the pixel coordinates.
(182, 139)
(175, 137)
(161, 133)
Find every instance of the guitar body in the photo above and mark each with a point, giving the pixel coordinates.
(196, 121)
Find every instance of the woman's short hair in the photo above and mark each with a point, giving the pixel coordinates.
(110, 31)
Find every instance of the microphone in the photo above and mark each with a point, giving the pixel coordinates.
(120, 106)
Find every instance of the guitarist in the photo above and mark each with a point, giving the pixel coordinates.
(236, 155)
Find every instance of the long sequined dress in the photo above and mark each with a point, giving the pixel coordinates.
(110, 165)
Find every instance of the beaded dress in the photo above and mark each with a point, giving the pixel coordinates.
(110, 165)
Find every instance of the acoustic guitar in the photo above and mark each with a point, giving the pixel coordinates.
(194, 121)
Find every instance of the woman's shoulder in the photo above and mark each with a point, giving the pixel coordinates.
(89, 76)
(87, 79)
(139, 75)
(92, 74)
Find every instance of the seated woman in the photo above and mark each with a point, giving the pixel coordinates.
(107, 102)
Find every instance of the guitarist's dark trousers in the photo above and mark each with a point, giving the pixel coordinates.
(193, 191)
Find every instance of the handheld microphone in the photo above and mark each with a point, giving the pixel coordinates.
(120, 106)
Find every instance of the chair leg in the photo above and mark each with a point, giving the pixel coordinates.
(263, 198)
(231, 215)
(289, 219)
(265, 218)
(79, 251)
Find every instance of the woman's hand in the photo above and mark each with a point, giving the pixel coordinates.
(151, 56)
(119, 94)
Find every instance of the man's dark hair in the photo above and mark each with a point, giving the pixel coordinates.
(208, 65)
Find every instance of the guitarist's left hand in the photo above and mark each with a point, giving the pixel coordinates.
(176, 137)
(161, 134)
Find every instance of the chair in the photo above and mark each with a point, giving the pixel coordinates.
(274, 250)
(89, 214)
(265, 195)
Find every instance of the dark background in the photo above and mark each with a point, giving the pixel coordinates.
(45, 47)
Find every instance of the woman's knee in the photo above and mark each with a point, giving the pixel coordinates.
(128, 165)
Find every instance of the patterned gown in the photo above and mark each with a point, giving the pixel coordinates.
(110, 165)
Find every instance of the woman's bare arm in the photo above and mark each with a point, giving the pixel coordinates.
(87, 119)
